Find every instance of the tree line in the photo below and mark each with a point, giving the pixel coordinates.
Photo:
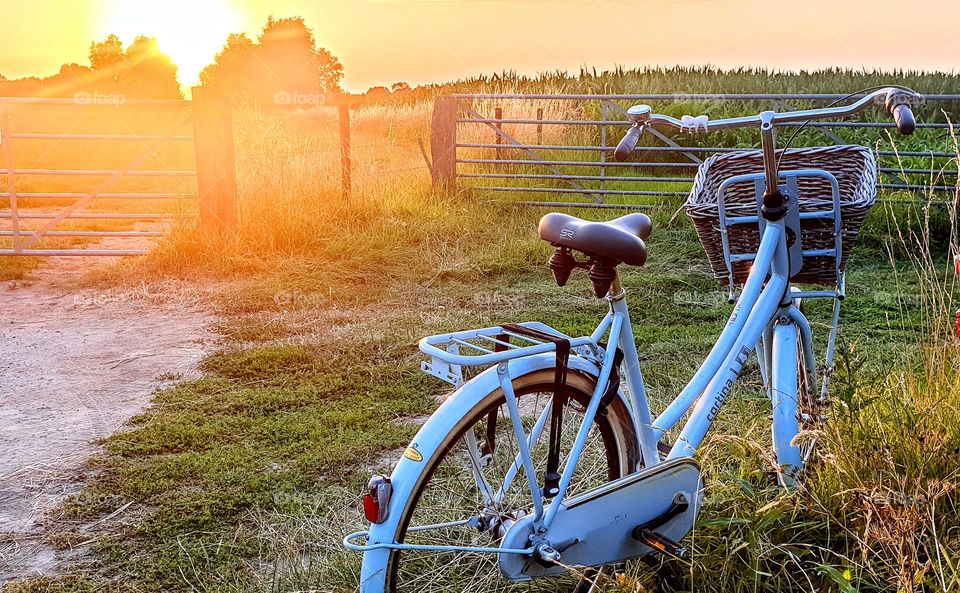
(140, 70)
(282, 66)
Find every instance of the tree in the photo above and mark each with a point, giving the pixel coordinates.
(106, 54)
(399, 87)
(148, 72)
(233, 67)
(22, 87)
(284, 65)
(74, 70)
(142, 70)
(68, 80)
(377, 93)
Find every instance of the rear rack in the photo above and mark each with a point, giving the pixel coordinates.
(490, 346)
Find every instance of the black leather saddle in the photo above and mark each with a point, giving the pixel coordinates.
(620, 239)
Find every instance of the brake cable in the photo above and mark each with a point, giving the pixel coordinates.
(862, 91)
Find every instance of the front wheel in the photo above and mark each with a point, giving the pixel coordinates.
(479, 493)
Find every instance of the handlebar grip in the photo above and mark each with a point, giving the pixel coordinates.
(903, 117)
(629, 142)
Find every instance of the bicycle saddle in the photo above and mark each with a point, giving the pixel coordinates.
(620, 239)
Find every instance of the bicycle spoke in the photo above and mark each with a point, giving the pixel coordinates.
(470, 440)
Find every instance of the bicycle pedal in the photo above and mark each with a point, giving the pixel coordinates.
(662, 544)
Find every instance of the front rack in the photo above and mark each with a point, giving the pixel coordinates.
(832, 212)
(451, 352)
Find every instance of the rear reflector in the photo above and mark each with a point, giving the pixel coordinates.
(376, 502)
(371, 509)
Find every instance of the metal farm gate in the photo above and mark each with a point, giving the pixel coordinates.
(557, 149)
(74, 220)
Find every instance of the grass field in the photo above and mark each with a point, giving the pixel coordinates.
(247, 479)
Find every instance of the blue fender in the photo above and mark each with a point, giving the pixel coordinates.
(429, 438)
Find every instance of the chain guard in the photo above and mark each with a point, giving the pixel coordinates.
(596, 527)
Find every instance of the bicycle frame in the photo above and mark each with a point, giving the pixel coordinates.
(764, 309)
(710, 386)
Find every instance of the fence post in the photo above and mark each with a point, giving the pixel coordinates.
(443, 142)
(216, 160)
(346, 174)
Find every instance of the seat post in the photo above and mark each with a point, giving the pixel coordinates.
(616, 292)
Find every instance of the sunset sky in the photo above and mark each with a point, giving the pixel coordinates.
(417, 41)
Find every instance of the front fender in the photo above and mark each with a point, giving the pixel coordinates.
(429, 438)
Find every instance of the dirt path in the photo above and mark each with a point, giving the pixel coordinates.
(75, 366)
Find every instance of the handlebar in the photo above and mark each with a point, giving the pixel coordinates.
(898, 104)
(897, 100)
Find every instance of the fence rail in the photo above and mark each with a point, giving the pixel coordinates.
(487, 142)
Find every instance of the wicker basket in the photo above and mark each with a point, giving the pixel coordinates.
(856, 173)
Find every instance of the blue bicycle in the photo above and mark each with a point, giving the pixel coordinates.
(550, 463)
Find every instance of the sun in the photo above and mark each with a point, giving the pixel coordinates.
(191, 32)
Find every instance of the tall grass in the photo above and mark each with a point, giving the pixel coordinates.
(888, 483)
(684, 79)
(895, 444)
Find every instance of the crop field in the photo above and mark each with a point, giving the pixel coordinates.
(247, 478)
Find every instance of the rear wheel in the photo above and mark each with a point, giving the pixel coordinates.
(459, 483)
